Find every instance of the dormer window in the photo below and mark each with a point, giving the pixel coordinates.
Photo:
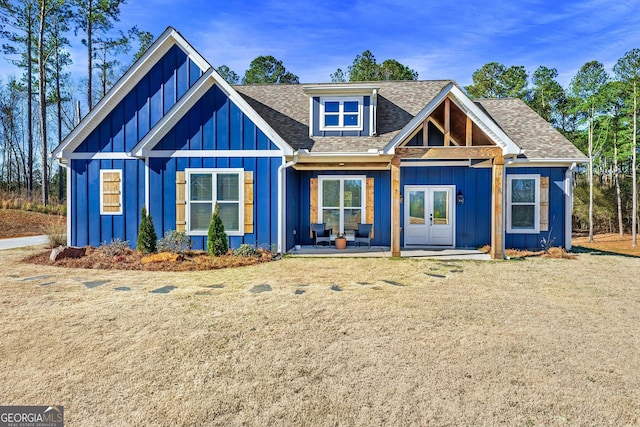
(341, 113)
(342, 109)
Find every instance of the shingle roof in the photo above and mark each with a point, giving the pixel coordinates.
(286, 109)
(529, 131)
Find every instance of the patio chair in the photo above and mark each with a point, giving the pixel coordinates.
(320, 234)
(363, 234)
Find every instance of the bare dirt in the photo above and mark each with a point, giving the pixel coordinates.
(612, 243)
(327, 342)
(20, 223)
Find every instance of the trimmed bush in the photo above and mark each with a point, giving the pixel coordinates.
(217, 243)
(176, 242)
(245, 250)
(114, 247)
(147, 237)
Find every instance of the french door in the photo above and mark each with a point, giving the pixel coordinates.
(429, 215)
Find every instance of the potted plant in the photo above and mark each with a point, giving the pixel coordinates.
(341, 241)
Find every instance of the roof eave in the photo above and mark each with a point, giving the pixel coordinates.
(204, 83)
(341, 89)
(559, 161)
(467, 106)
(138, 70)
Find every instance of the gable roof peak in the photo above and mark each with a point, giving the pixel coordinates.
(169, 38)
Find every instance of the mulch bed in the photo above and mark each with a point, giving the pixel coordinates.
(133, 260)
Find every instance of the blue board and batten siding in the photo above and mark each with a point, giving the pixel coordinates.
(473, 218)
(216, 123)
(130, 120)
(127, 123)
(557, 213)
(162, 199)
(87, 225)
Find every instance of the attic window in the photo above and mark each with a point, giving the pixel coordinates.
(341, 113)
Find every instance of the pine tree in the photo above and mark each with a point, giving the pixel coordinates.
(217, 240)
(146, 234)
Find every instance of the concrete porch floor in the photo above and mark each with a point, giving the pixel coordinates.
(385, 252)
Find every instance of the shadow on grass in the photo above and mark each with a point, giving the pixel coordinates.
(592, 251)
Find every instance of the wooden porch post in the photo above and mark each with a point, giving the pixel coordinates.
(497, 225)
(447, 122)
(395, 206)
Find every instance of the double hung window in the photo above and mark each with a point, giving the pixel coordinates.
(523, 199)
(205, 188)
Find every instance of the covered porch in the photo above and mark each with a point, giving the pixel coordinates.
(385, 252)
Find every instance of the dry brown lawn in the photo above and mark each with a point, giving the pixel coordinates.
(403, 342)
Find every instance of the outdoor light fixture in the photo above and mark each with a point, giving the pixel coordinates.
(460, 197)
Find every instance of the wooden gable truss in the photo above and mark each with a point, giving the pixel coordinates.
(462, 139)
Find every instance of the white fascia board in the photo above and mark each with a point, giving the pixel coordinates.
(524, 163)
(417, 120)
(100, 156)
(124, 85)
(484, 122)
(171, 118)
(341, 89)
(177, 112)
(214, 153)
(252, 114)
(462, 101)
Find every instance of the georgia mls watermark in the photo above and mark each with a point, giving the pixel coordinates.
(31, 416)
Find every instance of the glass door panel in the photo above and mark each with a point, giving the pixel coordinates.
(440, 207)
(416, 207)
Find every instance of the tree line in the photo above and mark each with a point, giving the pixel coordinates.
(597, 111)
(36, 107)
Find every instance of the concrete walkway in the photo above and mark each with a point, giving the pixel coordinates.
(385, 252)
(20, 242)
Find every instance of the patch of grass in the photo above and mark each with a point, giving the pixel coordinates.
(55, 229)
(21, 201)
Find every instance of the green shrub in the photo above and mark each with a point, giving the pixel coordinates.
(217, 243)
(147, 237)
(176, 242)
(245, 250)
(114, 247)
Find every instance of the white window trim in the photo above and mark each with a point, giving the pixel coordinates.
(536, 218)
(362, 178)
(188, 172)
(102, 173)
(341, 113)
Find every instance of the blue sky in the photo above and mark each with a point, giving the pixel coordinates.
(440, 40)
